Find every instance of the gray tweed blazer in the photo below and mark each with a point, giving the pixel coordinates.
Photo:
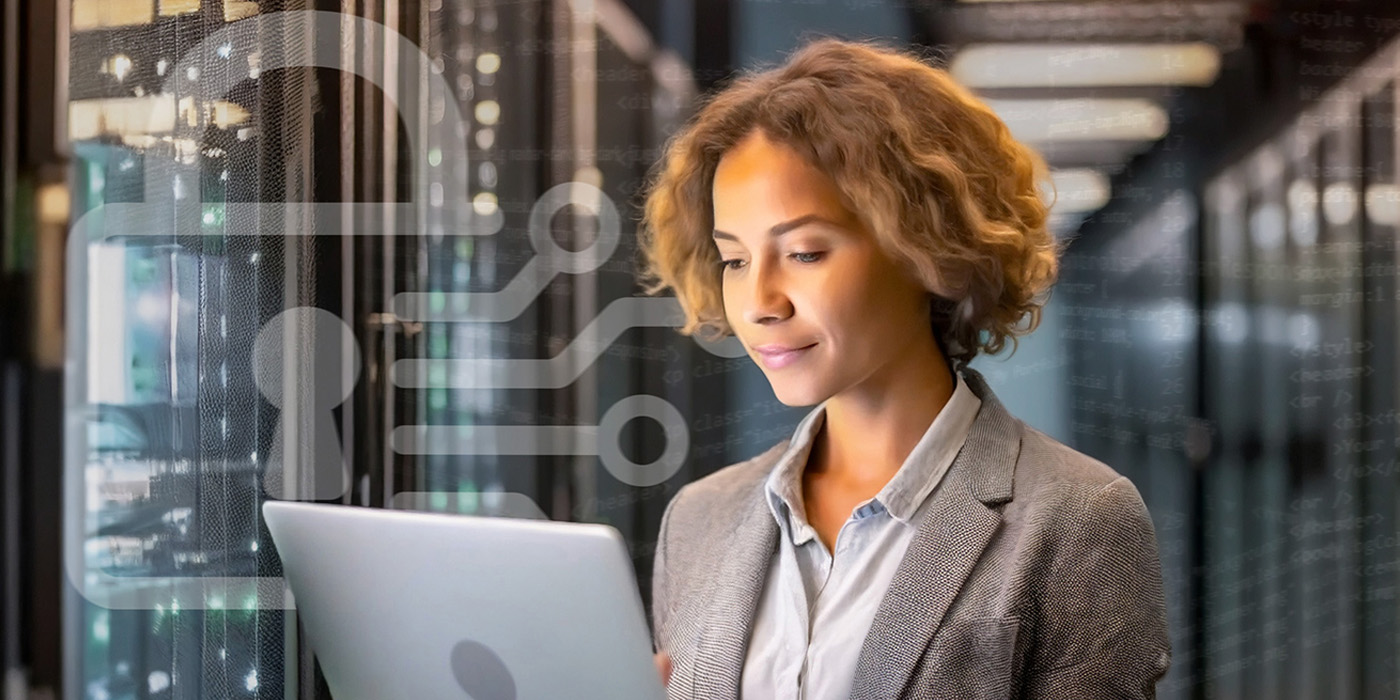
(1034, 573)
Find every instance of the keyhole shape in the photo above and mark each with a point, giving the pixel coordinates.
(306, 362)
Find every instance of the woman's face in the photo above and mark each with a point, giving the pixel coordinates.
(801, 271)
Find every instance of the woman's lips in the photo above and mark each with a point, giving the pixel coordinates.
(780, 360)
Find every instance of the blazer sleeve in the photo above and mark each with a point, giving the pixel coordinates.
(660, 592)
(1102, 629)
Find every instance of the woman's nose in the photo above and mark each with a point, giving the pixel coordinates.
(767, 299)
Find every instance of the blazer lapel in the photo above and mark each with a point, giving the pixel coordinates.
(954, 529)
(737, 584)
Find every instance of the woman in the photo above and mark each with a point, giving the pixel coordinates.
(865, 227)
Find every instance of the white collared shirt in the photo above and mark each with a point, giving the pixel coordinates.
(816, 609)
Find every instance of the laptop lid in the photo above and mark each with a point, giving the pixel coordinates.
(401, 604)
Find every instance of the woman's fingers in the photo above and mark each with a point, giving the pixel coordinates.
(663, 666)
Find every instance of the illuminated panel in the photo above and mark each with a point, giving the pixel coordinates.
(95, 14)
(88, 119)
(170, 8)
(239, 9)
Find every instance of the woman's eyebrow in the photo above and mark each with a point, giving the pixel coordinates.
(782, 228)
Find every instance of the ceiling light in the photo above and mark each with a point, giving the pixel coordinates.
(1383, 204)
(1339, 203)
(1082, 119)
(488, 111)
(488, 62)
(1085, 65)
(1077, 190)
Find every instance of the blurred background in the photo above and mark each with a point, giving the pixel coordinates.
(414, 222)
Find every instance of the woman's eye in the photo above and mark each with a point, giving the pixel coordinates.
(806, 258)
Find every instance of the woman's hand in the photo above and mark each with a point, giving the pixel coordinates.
(663, 666)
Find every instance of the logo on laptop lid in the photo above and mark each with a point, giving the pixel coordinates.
(480, 672)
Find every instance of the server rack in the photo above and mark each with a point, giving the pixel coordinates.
(1299, 335)
(181, 437)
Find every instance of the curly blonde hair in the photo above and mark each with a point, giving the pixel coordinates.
(939, 179)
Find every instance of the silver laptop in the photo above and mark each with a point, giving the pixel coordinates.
(429, 606)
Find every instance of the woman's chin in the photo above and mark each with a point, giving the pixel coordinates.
(795, 394)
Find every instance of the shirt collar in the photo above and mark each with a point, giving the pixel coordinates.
(906, 491)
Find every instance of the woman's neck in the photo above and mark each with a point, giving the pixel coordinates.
(869, 430)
